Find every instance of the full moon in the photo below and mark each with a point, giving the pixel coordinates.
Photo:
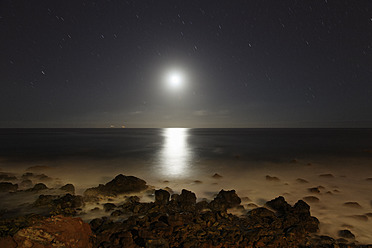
(175, 79)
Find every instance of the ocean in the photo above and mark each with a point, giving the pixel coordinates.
(337, 160)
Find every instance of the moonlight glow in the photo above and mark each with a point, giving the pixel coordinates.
(175, 79)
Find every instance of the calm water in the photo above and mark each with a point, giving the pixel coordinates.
(176, 158)
(177, 151)
(255, 144)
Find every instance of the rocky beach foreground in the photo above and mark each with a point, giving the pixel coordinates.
(170, 220)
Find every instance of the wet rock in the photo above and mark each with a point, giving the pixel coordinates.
(346, 234)
(38, 187)
(116, 213)
(279, 205)
(26, 184)
(133, 199)
(43, 177)
(342, 241)
(171, 225)
(119, 185)
(311, 199)
(272, 179)
(8, 187)
(68, 188)
(7, 242)
(7, 177)
(225, 200)
(185, 200)
(301, 180)
(8, 227)
(251, 205)
(217, 176)
(66, 205)
(169, 190)
(352, 205)
(326, 175)
(261, 215)
(44, 200)
(96, 209)
(323, 241)
(161, 197)
(59, 230)
(27, 175)
(202, 205)
(108, 207)
(314, 190)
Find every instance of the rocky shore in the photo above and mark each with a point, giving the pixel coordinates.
(170, 220)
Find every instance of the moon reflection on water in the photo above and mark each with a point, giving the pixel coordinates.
(175, 153)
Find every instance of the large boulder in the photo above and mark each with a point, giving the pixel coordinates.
(69, 188)
(161, 197)
(119, 185)
(185, 201)
(38, 187)
(225, 200)
(279, 205)
(58, 230)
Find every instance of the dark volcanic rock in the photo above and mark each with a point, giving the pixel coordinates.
(279, 205)
(352, 205)
(161, 197)
(186, 200)
(6, 177)
(60, 205)
(68, 188)
(314, 190)
(27, 175)
(170, 225)
(133, 199)
(272, 179)
(119, 185)
(26, 184)
(44, 200)
(217, 176)
(326, 176)
(225, 200)
(346, 234)
(116, 213)
(7, 187)
(108, 207)
(38, 187)
(301, 180)
(311, 199)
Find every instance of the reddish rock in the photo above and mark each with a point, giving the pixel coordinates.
(57, 231)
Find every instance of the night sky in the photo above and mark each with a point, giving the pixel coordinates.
(242, 63)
